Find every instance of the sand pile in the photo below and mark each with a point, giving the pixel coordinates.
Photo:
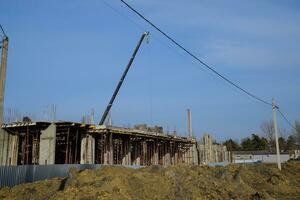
(175, 182)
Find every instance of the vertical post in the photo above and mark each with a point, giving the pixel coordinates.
(274, 107)
(111, 149)
(76, 141)
(3, 74)
(189, 113)
(67, 146)
(27, 145)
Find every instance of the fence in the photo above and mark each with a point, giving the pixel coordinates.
(15, 175)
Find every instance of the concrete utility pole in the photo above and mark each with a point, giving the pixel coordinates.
(190, 131)
(274, 107)
(4, 47)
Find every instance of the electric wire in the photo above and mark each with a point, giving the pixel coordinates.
(2, 30)
(203, 63)
(286, 119)
(138, 26)
(194, 56)
(177, 44)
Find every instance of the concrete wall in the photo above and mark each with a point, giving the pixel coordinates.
(47, 145)
(242, 157)
(8, 148)
(271, 158)
(264, 158)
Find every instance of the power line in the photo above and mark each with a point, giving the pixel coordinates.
(285, 118)
(164, 44)
(142, 29)
(2, 30)
(195, 57)
(203, 63)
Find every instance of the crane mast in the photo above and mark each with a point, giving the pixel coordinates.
(122, 79)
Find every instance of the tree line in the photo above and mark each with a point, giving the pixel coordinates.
(266, 141)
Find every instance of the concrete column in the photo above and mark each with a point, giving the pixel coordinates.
(108, 150)
(3, 146)
(3, 75)
(176, 156)
(138, 150)
(195, 154)
(164, 153)
(47, 145)
(129, 153)
(87, 154)
(184, 157)
(105, 154)
(188, 155)
(14, 150)
(156, 158)
(145, 153)
(8, 148)
(152, 153)
(134, 151)
(167, 155)
(125, 156)
(111, 149)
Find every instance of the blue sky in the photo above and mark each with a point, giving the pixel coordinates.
(72, 53)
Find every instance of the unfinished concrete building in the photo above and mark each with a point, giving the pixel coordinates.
(210, 152)
(46, 143)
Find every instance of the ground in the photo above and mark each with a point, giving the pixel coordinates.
(259, 181)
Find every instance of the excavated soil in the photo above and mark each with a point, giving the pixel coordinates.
(259, 181)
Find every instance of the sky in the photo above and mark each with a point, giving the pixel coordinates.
(72, 54)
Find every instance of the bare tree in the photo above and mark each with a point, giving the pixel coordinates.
(297, 132)
(267, 128)
(268, 131)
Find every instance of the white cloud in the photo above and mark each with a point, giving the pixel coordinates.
(252, 34)
(253, 56)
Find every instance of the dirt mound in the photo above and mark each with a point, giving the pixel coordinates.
(175, 182)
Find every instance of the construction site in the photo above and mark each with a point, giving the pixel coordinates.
(44, 143)
(48, 143)
(67, 159)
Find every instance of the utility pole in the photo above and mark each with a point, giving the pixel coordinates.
(189, 113)
(4, 48)
(274, 107)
